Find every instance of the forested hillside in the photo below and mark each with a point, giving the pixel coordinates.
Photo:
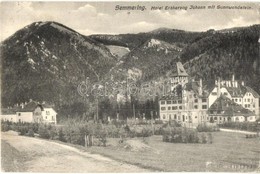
(46, 61)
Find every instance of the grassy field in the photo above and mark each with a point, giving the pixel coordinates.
(230, 152)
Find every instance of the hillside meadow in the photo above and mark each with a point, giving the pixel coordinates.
(229, 152)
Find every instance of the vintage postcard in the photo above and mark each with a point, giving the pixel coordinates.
(121, 86)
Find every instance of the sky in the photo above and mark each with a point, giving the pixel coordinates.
(101, 17)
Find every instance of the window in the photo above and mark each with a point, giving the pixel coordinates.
(179, 101)
(196, 117)
(204, 106)
(19, 114)
(163, 108)
(169, 102)
(215, 118)
(252, 100)
(163, 116)
(52, 117)
(220, 118)
(174, 108)
(196, 100)
(245, 100)
(47, 112)
(19, 120)
(225, 93)
(46, 117)
(214, 93)
(245, 105)
(169, 108)
(174, 102)
(248, 105)
(175, 116)
(248, 100)
(162, 102)
(236, 100)
(170, 117)
(233, 99)
(240, 100)
(204, 100)
(195, 106)
(180, 107)
(253, 105)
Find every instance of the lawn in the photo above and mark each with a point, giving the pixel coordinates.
(230, 152)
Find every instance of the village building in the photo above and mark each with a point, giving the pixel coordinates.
(236, 91)
(225, 110)
(32, 112)
(187, 101)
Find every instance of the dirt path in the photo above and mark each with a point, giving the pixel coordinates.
(237, 131)
(46, 156)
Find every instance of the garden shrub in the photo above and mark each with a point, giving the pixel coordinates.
(180, 135)
(203, 138)
(44, 132)
(61, 135)
(30, 133)
(246, 126)
(5, 126)
(210, 138)
(207, 128)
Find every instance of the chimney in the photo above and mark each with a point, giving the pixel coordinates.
(30, 100)
(218, 89)
(43, 102)
(22, 105)
(233, 81)
(200, 87)
(243, 83)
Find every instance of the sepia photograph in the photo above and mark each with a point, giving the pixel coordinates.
(130, 86)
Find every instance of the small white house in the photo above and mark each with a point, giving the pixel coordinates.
(32, 112)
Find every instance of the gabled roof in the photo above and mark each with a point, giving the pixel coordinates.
(226, 107)
(30, 107)
(255, 94)
(239, 91)
(180, 71)
(236, 91)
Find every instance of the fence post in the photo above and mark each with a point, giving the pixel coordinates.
(86, 143)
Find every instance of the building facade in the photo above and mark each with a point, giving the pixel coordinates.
(188, 102)
(32, 112)
(236, 91)
(225, 110)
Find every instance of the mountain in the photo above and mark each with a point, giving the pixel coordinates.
(133, 41)
(47, 60)
(225, 53)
